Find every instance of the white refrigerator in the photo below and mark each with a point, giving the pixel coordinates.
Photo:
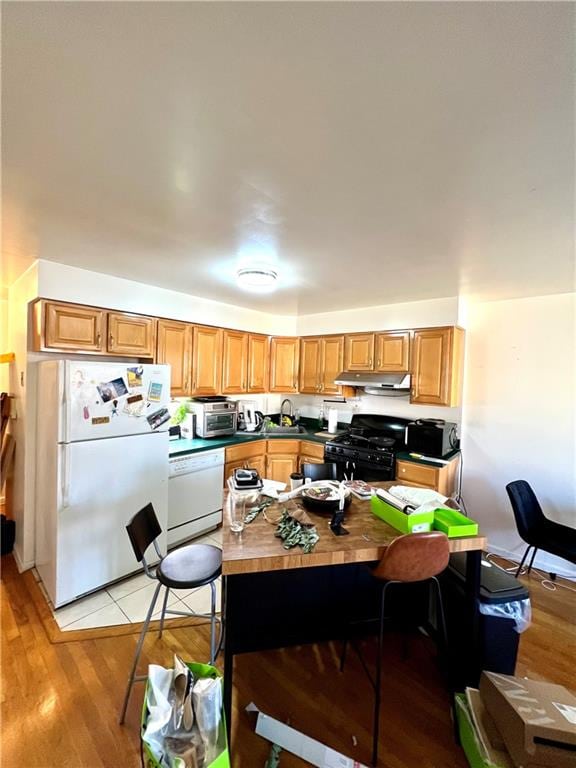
(102, 454)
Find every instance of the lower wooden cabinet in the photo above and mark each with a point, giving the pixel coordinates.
(443, 478)
(274, 459)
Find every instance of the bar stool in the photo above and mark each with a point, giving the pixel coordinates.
(188, 567)
(415, 557)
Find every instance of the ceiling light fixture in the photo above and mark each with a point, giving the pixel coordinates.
(257, 278)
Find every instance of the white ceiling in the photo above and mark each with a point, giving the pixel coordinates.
(378, 152)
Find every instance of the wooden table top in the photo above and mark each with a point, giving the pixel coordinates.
(257, 550)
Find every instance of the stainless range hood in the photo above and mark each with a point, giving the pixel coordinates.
(390, 384)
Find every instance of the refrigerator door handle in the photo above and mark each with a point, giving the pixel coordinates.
(65, 476)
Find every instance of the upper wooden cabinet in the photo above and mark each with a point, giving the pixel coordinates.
(69, 327)
(392, 352)
(359, 352)
(321, 360)
(437, 360)
(175, 348)
(133, 335)
(206, 360)
(284, 364)
(74, 328)
(234, 362)
(310, 365)
(258, 351)
(331, 364)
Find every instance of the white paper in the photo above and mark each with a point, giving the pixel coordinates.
(310, 750)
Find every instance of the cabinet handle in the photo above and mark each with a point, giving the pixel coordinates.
(370, 363)
(378, 363)
(98, 339)
(111, 340)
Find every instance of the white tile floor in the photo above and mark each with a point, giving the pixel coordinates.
(128, 600)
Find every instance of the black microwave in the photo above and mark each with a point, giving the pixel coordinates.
(431, 437)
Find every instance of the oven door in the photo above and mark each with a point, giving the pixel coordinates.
(219, 424)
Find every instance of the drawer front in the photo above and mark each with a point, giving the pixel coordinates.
(284, 447)
(418, 474)
(314, 450)
(246, 451)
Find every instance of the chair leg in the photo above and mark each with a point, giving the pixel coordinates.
(213, 623)
(164, 604)
(522, 561)
(377, 683)
(532, 560)
(442, 625)
(137, 654)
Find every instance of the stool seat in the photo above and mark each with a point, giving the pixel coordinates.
(190, 567)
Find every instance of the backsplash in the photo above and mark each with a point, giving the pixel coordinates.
(309, 406)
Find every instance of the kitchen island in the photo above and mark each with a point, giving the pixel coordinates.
(273, 597)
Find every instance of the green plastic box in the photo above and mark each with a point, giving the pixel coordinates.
(223, 759)
(417, 522)
(454, 523)
(468, 739)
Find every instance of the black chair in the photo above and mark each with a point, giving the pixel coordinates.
(320, 471)
(191, 566)
(536, 529)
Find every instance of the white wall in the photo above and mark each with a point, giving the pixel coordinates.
(82, 286)
(518, 419)
(4, 343)
(413, 314)
(24, 425)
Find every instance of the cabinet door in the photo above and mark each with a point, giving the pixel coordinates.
(235, 362)
(283, 364)
(279, 467)
(76, 328)
(206, 360)
(437, 358)
(359, 350)
(310, 365)
(133, 335)
(259, 463)
(175, 350)
(331, 363)
(258, 350)
(392, 352)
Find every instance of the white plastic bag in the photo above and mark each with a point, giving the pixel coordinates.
(519, 610)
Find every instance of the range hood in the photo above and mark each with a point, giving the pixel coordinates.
(391, 384)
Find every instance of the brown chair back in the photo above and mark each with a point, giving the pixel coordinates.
(414, 557)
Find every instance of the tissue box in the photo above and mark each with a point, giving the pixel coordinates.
(416, 522)
(149, 760)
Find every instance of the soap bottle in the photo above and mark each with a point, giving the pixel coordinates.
(321, 418)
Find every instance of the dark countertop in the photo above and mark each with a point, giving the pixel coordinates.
(182, 447)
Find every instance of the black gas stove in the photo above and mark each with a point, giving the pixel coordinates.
(367, 451)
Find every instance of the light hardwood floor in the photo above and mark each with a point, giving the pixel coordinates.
(60, 700)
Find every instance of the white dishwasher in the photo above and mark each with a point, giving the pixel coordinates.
(195, 487)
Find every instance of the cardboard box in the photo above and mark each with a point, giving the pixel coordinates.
(537, 720)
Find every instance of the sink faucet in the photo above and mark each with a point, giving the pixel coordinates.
(290, 413)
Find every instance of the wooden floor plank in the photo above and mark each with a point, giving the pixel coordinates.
(61, 695)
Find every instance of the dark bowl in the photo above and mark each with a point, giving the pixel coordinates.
(324, 506)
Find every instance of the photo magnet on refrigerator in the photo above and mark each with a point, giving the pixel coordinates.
(134, 376)
(158, 418)
(155, 392)
(111, 390)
